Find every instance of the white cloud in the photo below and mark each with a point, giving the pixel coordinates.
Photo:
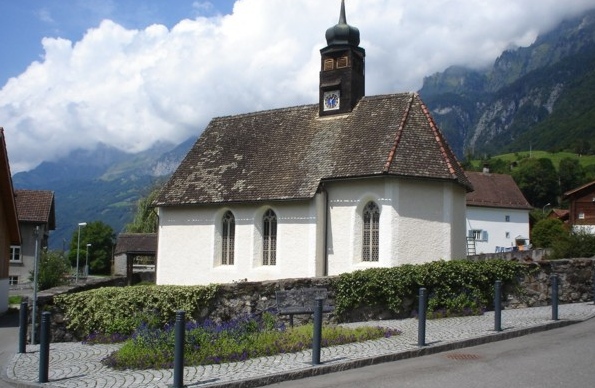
(130, 88)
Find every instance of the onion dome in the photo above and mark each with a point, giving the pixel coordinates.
(342, 33)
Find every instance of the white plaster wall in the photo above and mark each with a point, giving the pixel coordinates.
(493, 220)
(3, 295)
(419, 222)
(189, 253)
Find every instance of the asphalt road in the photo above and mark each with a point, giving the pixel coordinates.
(562, 357)
(9, 341)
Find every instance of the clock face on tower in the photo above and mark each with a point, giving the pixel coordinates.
(331, 100)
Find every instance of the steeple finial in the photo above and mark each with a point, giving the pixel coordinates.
(342, 18)
(342, 33)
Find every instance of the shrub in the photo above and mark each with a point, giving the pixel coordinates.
(120, 310)
(547, 231)
(52, 271)
(454, 286)
(577, 244)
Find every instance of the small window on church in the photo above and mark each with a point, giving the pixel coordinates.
(269, 235)
(370, 241)
(342, 62)
(228, 232)
(329, 64)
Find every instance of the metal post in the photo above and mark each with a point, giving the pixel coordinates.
(317, 334)
(44, 347)
(180, 331)
(23, 327)
(593, 284)
(35, 288)
(498, 306)
(421, 318)
(554, 297)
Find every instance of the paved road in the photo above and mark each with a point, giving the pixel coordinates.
(558, 358)
(9, 341)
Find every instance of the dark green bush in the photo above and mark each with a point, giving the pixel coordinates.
(451, 285)
(574, 245)
(547, 231)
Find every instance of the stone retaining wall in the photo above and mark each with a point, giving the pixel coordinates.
(576, 285)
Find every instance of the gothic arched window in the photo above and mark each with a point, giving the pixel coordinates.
(228, 231)
(269, 238)
(370, 238)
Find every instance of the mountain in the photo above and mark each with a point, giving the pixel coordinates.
(101, 184)
(540, 97)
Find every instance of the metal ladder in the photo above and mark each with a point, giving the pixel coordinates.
(470, 246)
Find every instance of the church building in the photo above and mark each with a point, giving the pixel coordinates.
(348, 183)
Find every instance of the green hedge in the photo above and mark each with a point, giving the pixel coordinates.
(119, 310)
(451, 285)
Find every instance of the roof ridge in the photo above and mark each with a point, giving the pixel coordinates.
(393, 150)
(444, 147)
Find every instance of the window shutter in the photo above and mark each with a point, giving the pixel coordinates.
(484, 235)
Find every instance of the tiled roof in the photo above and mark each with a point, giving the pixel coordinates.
(285, 153)
(36, 206)
(139, 243)
(495, 190)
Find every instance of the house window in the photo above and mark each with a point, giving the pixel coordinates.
(478, 235)
(15, 254)
(370, 240)
(581, 215)
(507, 218)
(13, 280)
(269, 243)
(228, 232)
(507, 234)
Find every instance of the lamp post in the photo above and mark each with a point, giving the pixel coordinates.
(78, 245)
(87, 262)
(35, 286)
(546, 205)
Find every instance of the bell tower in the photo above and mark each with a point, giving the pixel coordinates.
(342, 78)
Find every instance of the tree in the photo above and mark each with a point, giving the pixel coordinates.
(538, 180)
(145, 218)
(52, 271)
(548, 232)
(571, 173)
(101, 237)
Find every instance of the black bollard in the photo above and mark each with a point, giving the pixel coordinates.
(23, 323)
(180, 332)
(498, 306)
(44, 347)
(554, 297)
(317, 334)
(593, 284)
(421, 318)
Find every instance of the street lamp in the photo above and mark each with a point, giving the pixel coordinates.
(546, 205)
(78, 245)
(87, 262)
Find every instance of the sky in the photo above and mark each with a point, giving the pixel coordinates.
(130, 73)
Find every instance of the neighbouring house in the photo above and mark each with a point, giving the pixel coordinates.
(581, 215)
(134, 249)
(559, 214)
(36, 212)
(10, 234)
(348, 183)
(497, 214)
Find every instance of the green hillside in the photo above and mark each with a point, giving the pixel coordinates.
(587, 161)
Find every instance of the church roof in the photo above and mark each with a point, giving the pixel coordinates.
(284, 154)
(495, 190)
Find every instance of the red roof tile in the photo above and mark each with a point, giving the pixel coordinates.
(36, 206)
(495, 190)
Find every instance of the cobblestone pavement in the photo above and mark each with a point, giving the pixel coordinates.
(78, 365)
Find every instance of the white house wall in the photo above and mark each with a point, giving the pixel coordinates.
(500, 232)
(420, 221)
(188, 250)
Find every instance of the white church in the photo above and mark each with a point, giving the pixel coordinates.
(351, 182)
